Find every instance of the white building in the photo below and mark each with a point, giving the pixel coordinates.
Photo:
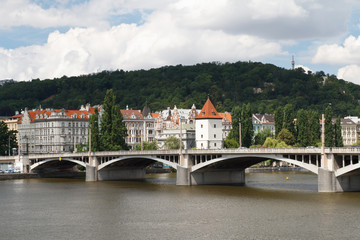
(188, 135)
(52, 130)
(208, 125)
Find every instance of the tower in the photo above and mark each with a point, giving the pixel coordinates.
(293, 63)
(208, 127)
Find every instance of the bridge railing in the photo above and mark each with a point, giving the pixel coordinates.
(7, 158)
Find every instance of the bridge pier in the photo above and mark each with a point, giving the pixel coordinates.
(91, 169)
(121, 174)
(218, 177)
(183, 176)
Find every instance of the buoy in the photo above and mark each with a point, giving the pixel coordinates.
(287, 178)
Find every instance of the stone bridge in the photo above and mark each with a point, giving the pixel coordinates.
(338, 169)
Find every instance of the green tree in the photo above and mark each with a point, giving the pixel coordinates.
(286, 136)
(247, 130)
(329, 130)
(279, 120)
(274, 143)
(235, 116)
(231, 143)
(94, 129)
(7, 139)
(113, 129)
(147, 146)
(172, 143)
(81, 147)
(302, 125)
(262, 136)
(289, 119)
(119, 131)
(337, 133)
(314, 128)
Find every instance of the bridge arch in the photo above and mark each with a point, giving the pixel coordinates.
(36, 165)
(253, 159)
(166, 162)
(347, 169)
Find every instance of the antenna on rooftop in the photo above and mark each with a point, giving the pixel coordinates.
(293, 63)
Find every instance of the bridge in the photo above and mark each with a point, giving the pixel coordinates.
(338, 169)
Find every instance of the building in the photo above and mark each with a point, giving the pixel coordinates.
(140, 125)
(226, 124)
(188, 135)
(52, 130)
(263, 121)
(208, 125)
(349, 130)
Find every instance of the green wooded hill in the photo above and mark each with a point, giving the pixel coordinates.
(264, 86)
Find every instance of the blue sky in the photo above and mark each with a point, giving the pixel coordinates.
(48, 39)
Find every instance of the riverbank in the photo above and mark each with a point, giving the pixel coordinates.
(10, 176)
(275, 169)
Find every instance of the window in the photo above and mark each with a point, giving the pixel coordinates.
(214, 135)
(214, 125)
(202, 136)
(214, 144)
(202, 126)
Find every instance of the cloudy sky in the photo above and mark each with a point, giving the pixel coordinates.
(51, 38)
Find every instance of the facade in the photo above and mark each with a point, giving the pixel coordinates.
(226, 124)
(52, 130)
(263, 121)
(188, 135)
(139, 127)
(349, 131)
(208, 125)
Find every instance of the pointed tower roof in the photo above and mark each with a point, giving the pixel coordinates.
(146, 110)
(208, 111)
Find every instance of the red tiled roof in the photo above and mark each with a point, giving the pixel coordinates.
(155, 115)
(208, 112)
(41, 114)
(127, 114)
(227, 115)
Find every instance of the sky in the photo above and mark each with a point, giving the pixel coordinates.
(52, 38)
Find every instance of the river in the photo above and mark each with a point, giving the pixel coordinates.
(268, 207)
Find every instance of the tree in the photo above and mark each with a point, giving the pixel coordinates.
(261, 137)
(314, 128)
(235, 116)
(147, 146)
(337, 133)
(231, 143)
(113, 129)
(7, 139)
(247, 130)
(172, 143)
(329, 131)
(289, 119)
(279, 120)
(274, 143)
(286, 136)
(302, 125)
(94, 129)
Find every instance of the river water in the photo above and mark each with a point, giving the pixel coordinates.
(267, 207)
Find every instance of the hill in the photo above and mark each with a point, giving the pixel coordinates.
(265, 86)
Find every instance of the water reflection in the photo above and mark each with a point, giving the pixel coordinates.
(267, 207)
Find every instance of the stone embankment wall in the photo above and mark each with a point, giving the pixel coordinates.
(10, 176)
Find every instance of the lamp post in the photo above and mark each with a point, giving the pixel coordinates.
(240, 145)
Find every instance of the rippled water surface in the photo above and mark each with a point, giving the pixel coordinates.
(268, 207)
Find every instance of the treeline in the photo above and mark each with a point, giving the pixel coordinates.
(264, 86)
(300, 128)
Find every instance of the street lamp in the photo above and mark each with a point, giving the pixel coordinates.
(240, 132)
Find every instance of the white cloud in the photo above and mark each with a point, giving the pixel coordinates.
(129, 47)
(350, 73)
(171, 32)
(347, 53)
